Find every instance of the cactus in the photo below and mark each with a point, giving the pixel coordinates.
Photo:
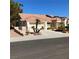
(35, 29)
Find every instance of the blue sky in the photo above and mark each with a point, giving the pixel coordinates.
(50, 7)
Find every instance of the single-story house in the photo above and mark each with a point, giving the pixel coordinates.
(29, 20)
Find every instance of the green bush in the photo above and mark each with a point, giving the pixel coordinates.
(50, 28)
(67, 27)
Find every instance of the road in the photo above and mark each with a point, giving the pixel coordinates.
(57, 48)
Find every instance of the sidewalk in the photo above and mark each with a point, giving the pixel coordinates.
(44, 35)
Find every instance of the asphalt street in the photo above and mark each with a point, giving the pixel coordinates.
(56, 48)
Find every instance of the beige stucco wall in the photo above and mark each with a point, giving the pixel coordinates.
(30, 28)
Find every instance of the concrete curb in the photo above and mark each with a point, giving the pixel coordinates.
(29, 39)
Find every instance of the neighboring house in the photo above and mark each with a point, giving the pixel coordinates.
(60, 20)
(28, 21)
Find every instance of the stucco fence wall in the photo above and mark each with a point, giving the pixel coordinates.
(30, 27)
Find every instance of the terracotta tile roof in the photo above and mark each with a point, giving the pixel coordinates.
(33, 17)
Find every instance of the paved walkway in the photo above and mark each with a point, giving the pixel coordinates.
(44, 35)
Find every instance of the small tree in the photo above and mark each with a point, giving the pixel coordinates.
(15, 9)
(67, 27)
